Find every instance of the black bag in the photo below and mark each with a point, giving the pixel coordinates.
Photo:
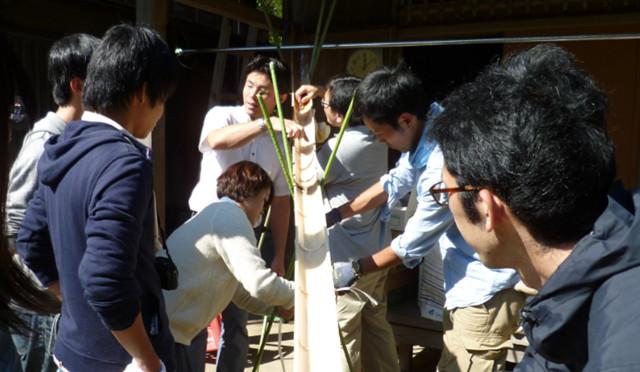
(167, 270)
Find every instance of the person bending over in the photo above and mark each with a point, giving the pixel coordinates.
(215, 252)
(481, 306)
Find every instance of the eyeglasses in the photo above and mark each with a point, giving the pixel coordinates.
(324, 103)
(440, 193)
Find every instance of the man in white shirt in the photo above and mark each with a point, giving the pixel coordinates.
(231, 134)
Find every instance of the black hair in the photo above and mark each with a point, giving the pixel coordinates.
(243, 180)
(261, 64)
(533, 131)
(342, 88)
(386, 93)
(128, 58)
(68, 59)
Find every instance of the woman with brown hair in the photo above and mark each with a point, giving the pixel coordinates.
(216, 255)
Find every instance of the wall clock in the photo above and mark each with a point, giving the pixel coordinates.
(363, 61)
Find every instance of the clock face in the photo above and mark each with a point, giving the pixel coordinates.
(363, 61)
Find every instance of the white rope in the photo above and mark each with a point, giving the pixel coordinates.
(359, 293)
(280, 355)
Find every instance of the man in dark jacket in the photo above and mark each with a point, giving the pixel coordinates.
(89, 227)
(529, 169)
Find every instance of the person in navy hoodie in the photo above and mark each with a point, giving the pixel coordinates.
(89, 228)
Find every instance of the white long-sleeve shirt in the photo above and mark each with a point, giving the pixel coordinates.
(218, 261)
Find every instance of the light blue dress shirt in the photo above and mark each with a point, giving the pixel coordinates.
(467, 282)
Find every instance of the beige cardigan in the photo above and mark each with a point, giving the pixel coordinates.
(216, 255)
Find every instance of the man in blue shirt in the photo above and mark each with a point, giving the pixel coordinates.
(481, 307)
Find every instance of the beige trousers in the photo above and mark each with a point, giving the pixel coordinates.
(365, 329)
(476, 338)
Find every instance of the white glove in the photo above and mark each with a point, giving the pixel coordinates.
(134, 367)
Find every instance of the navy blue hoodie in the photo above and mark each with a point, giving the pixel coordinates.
(586, 317)
(90, 226)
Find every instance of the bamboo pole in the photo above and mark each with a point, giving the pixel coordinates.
(318, 46)
(267, 122)
(283, 132)
(345, 123)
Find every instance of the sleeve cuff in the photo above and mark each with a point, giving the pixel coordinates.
(387, 185)
(408, 260)
(117, 317)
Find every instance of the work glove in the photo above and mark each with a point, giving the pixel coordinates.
(345, 274)
(135, 367)
(333, 217)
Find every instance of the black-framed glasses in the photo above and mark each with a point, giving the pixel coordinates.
(324, 103)
(440, 192)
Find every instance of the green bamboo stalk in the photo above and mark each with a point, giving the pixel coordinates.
(267, 122)
(272, 34)
(265, 226)
(270, 318)
(318, 47)
(345, 123)
(317, 35)
(289, 179)
(283, 132)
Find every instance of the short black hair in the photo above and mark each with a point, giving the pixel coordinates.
(128, 58)
(533, 131)
(242, 180)
(68, 59)
(261, 64)
(342, 88)
(386, 93)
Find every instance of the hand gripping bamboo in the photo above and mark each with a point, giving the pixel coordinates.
(316, 338)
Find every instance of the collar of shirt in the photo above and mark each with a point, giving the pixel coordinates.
(419, 156)
(56, 121)
(226, 199)
(95, 117)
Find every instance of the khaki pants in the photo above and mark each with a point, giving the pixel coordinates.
(477, 338)
(366, 331)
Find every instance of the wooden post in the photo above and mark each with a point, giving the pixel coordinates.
(155, 14)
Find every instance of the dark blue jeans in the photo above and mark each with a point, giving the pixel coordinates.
(9, 361)
(192, 358)
(35, 346)
(234, 340)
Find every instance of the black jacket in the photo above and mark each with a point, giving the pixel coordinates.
(587, 316)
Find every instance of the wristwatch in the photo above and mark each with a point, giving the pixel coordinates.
(357, 269)
(261, 123)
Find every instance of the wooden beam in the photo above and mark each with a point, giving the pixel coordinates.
(155, 14)
(539, 26)
(236, 12)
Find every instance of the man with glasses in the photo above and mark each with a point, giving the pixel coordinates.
(529, 135)
(481, 307)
